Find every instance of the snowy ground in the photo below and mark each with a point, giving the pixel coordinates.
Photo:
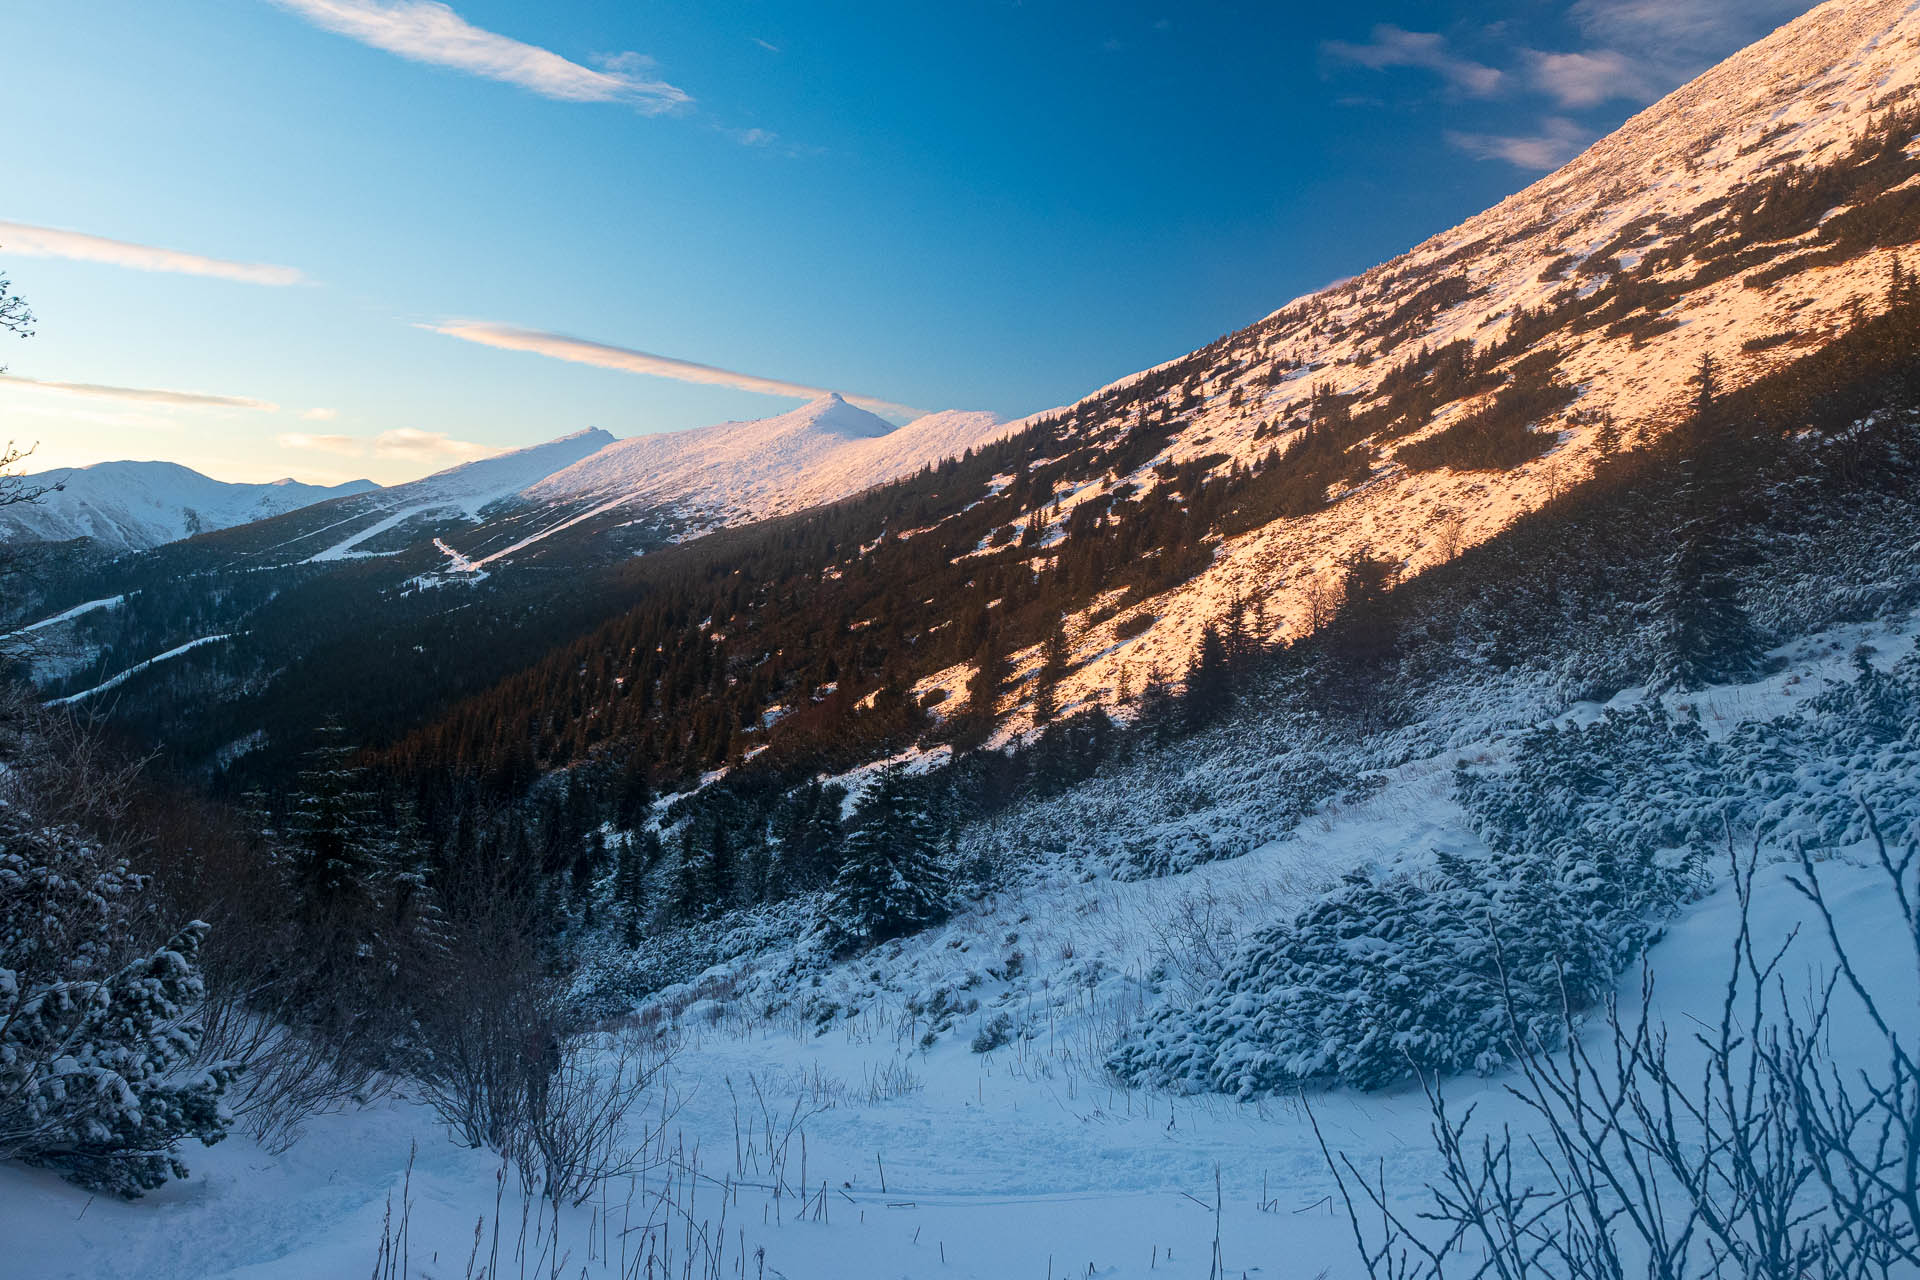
(1006, 1167)
(901, 1158)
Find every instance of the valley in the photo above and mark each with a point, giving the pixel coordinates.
(1427, 783)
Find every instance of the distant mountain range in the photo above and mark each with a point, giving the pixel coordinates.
(129, 506)
(701, 479)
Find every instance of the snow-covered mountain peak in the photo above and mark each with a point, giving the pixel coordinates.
(825, 449)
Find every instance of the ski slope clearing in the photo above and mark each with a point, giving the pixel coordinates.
(121, 678)
(468, 489)
(78, 611)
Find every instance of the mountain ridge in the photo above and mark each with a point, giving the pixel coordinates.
(1631, 250)
(731, 471)
(130, 505)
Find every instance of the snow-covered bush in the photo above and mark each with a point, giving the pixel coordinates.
(97, 1037)
(1408, 972)
(1217, 795)
(1774, 1140)
(994, 1033)
(1595, 832)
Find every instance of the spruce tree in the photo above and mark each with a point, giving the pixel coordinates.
(1702, 634)
(1209, 682)
(633, 793)
(585, 870)
(628, 899)
(809, 834)
(1053, 668)
(1158, 709)
(689, 891)
(892, 882)
(1365, 626)
(339, 848)
(983, 695)
(719, 869)
(1606, 437)
(1050, 768)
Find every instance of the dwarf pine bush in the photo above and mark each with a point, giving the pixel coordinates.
(1595, 834)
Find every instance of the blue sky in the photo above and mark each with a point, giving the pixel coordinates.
(333, 238)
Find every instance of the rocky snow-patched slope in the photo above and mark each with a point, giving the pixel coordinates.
(1688, 231)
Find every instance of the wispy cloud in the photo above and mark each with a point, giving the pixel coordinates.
(430, 32)
(1577, 80)
(318, 414)
(1673, 39)
(142, 395)
(581, 351)
(1558, 141)
(1393, 46)
(52, 242)
(408, 444)
(752, 137)
(767, 45)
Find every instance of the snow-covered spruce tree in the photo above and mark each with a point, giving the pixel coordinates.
(891, 882)
(97, 1037)
(629, 890)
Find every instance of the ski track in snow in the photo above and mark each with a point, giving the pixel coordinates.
(460, 563)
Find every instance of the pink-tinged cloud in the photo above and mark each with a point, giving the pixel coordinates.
(78, 246)
(428, 446)
(1558, 141)
(345, 445)
(142, 395)
(581, 351)
(1588, 79)
(408, 443)
(430, 32)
